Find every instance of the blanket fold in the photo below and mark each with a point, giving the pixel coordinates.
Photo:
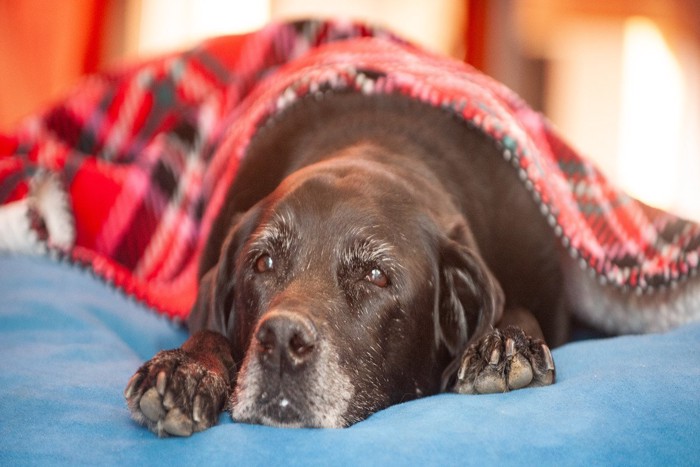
(127, 173)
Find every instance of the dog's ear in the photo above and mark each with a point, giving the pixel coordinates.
(471, 300)
(215, 297)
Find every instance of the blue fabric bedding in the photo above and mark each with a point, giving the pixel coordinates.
(69, 343)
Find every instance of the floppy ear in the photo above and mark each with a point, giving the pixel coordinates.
(215, 297)
(471, 300)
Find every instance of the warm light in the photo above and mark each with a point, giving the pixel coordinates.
(167, 25)
(651, 123)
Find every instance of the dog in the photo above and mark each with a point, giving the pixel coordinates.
(372, 250)
(361, 260)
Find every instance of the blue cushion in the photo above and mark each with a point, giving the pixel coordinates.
(69, 343)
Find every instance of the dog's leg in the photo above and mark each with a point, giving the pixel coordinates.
(182, 391)
(513, 356)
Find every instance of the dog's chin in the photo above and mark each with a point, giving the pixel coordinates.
(319, 398)
(282, 414)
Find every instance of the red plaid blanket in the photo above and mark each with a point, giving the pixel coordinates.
(127, 173)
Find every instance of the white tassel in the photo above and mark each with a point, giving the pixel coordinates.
(49, 201)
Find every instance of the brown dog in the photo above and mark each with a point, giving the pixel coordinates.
(372, 250)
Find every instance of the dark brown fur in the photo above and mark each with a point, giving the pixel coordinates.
(336, 192)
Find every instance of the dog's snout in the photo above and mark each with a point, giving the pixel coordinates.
(284, 337)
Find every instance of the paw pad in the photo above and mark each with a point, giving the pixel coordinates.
(504, 360)
(174, 395)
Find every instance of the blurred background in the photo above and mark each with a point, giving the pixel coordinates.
(619, 78)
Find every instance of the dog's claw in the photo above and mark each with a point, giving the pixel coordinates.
(466, 360)
(161, 380)
(169, 400)
(549, 361)
(495, 357)
(547, 376)
(504, 360)
(197, 409)
(510, 347)
(131, 385)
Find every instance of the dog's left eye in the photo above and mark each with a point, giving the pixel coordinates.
(264, 263)
(377, 277)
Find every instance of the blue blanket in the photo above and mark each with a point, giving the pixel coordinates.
(69, 343)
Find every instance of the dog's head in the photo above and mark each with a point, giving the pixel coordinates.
(346, 290)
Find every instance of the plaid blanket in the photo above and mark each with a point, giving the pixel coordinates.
(127, 173)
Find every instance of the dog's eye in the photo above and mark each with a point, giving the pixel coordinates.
(264, 263)
(377, 277)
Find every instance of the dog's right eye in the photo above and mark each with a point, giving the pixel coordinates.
(264, 263)
(377, 277)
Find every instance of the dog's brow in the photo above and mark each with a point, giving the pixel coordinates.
(368, 248)
(277, 232)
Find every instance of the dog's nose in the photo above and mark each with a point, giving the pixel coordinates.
(286, 338)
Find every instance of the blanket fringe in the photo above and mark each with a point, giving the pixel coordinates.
(41, 221)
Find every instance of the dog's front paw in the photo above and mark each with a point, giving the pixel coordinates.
(504, 360)
(173, 394)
